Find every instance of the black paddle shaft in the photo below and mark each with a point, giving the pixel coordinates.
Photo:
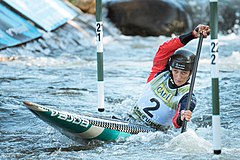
(194, 71)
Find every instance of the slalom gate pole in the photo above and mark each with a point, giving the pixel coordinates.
(99, 41)
(194, 72)
(216, 126)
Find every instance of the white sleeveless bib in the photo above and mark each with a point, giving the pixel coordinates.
(158, 103)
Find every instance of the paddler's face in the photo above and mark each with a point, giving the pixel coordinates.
(180, 77)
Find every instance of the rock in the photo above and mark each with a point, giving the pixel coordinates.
(150, 17)
(228, 14)
(87, 6)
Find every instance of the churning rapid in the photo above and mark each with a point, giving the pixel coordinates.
(59, 71)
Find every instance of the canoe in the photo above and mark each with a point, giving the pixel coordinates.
(82, 127)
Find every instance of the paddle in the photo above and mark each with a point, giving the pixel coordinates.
(194, 71)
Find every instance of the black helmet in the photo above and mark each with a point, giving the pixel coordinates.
(182, 59)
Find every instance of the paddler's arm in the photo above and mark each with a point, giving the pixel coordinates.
(165, 51)
(178, 118)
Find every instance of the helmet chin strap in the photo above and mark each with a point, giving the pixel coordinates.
(171, 78)
(172, 83)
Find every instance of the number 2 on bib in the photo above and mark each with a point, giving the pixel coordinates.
(154, 108)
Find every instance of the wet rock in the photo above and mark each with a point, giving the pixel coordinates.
(150, 17)
(87, 6)
(228, 14)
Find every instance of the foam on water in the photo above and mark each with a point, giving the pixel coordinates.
(147, 137)
(189, 142)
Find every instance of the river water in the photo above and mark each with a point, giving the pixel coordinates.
(59, 71)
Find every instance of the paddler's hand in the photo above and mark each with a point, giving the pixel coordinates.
(187, 115)
(204, 29)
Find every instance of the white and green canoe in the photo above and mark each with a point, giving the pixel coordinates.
(79, 127)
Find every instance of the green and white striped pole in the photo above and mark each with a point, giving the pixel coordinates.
(99, 41)
(216, 126)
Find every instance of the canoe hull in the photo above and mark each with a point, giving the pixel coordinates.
(79, 127)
